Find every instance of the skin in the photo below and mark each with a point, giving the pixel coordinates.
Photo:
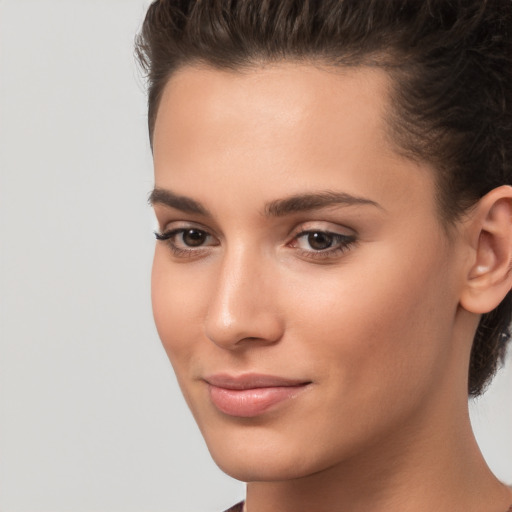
(381, 329)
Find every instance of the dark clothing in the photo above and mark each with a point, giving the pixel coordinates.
(240, 506)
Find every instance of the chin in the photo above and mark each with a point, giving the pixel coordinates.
(262, 469)
(265, 455)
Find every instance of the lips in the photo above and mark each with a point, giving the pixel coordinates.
(247, 396)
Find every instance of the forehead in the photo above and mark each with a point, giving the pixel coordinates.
(280, 129)
(280, 100)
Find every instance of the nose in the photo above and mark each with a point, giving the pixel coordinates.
(242, 307)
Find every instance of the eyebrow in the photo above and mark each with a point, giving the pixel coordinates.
(278, 208)
(182, 203)
(314, 201)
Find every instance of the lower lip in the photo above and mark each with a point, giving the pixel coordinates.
(247, 403)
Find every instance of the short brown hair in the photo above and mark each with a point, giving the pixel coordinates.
(451, 63)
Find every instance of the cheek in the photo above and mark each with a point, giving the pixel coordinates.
(177, 309)
(377, 326)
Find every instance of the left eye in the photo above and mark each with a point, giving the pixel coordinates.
(321, 241)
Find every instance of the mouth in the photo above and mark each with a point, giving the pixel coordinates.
(250, 395)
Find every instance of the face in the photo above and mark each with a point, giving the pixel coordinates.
(302, 286)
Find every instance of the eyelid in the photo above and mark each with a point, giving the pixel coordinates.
(166, 226)
(324, 227)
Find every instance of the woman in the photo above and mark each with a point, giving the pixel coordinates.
(332, 271)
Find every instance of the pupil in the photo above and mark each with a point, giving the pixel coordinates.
(193, 237)
(319, 241)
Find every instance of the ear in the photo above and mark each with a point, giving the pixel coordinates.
(490, 269)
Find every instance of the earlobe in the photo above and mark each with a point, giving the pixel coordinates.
(490, 274)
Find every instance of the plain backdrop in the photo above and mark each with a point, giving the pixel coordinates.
(91, 418)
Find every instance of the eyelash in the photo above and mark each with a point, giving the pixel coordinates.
(340, 243)
(168, 238)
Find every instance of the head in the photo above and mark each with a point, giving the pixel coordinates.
(450, 69)
(429, 82)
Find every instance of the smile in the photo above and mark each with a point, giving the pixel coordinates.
(251, 395)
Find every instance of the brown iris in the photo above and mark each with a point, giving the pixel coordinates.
(194, 237)
(320, 241)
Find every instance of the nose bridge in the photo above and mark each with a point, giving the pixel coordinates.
(242, 305)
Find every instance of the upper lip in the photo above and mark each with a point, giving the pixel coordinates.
(251, 381)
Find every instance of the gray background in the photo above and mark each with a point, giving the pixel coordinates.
(91, 418)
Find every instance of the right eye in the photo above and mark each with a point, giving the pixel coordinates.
(187, 241)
